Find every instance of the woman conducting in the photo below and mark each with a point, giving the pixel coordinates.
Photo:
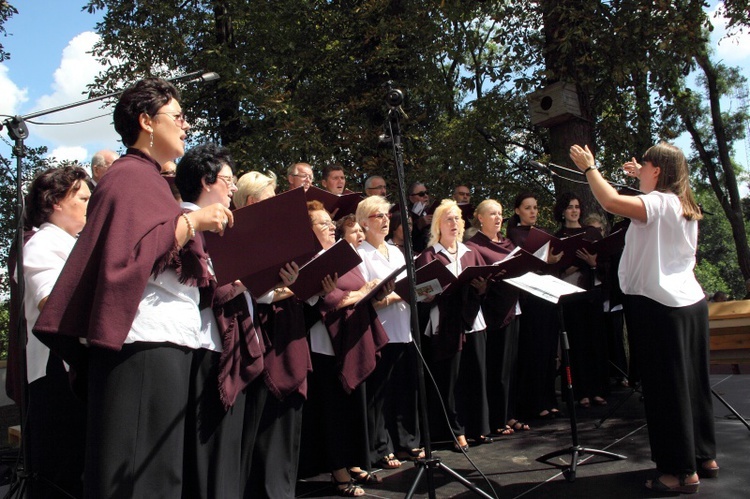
(666, 311)
(131, 288)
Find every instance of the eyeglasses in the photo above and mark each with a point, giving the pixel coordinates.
(376, 188)
(303, 175)
(228, 179)
(421, 194)
(179, 118)
(380, 216)
(168, 173)
(327, 224)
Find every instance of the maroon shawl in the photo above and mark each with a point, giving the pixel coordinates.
(356, 332)
(129, 236)
(287, 360)
(499, 305)
(242, 345)
(457, 310)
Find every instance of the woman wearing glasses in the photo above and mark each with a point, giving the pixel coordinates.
(217, 405)
(344, 345)
(273, 417)
(457, 331)
(419, 202)
(131, 289)
(380, 259)
(499, 306)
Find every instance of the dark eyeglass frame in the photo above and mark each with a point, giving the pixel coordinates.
(421, 194)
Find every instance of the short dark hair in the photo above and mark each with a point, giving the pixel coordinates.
(327, 169)
(562, 204)
(204, 161)
(49, 188)
(146, 96)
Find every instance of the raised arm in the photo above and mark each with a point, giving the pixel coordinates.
(605, 194)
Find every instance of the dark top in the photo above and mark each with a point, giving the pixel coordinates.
(356, 333)
(457, 311)
(499, 305)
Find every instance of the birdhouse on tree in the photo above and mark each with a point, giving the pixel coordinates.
(554, 104)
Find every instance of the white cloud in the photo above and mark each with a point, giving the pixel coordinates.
(13, 96)
(65, 153)
(77, 69)
(733, 50)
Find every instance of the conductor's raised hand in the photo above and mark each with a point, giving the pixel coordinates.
(632, 168)
(581, 156)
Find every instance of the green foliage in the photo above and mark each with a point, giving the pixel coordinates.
(6, 12)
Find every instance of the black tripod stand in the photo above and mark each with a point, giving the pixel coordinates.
(576, 451)
(635, 387)
(428, 465)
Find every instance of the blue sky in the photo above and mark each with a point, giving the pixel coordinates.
(49, 67)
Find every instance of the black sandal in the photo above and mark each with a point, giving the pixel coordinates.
(350, 489)
(364, 477)
(682, 486)
(410, 454)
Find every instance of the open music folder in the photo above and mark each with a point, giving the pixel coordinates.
(265, 236)
(338, 259)
(346, 203)
(546, 287)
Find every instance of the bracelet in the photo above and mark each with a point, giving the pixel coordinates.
(191, 228)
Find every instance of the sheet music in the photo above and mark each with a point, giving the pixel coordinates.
(546, 287)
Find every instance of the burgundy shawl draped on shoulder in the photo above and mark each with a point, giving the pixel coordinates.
(242, 344)
(129, 236)
(457, 310)
(499, 305)
(287, 360)
(356, 332)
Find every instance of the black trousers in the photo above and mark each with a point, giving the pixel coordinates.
(502, 374)
(537, 354)
(672, 352)
(471, 394)
(377, 388)
(55, 433)
(402, 401)
(274, 459)
(137, 401)
(212, 434)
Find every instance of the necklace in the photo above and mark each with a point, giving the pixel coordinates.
(451, 252)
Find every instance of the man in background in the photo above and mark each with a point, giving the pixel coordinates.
(299, 175)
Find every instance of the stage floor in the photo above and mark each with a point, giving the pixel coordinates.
(511, 467)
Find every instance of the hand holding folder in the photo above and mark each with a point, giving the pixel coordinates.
(338, 259)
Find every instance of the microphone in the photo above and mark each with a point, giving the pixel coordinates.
(540, 167)
(203, 78)
(195, 77)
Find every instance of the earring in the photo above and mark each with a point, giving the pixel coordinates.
(151, 144)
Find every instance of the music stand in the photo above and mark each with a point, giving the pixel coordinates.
(560, 293)
(427, 465)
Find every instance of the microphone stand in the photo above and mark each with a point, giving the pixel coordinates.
(429, 463)
(18, 131)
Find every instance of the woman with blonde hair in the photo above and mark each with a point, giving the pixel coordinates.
(500, 306)
(666, 311)
(457, 331)
(380, 259)
(253, 187)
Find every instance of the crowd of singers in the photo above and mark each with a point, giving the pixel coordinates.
(194, 390)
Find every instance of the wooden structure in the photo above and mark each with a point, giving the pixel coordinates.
(729, 326)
